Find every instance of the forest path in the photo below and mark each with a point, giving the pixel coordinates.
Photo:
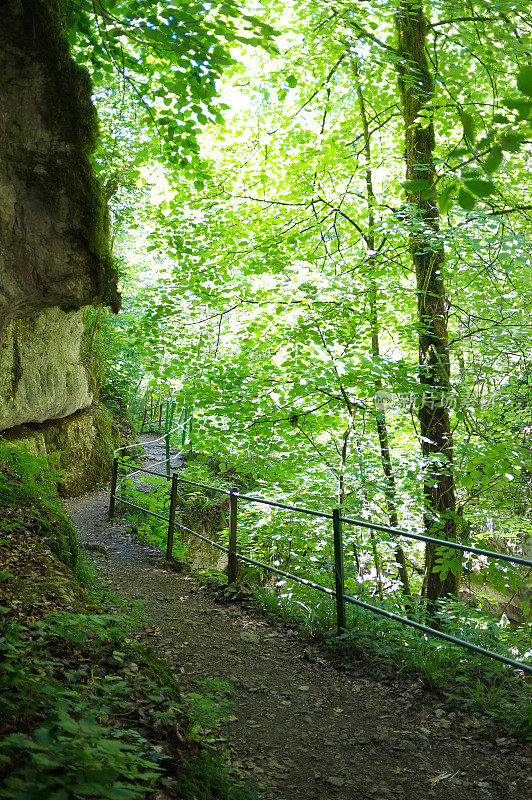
(300, 728)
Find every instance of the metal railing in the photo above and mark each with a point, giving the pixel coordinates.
(156, 412)
(338, 521)
(184, 425)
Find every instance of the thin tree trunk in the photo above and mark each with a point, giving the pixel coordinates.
(416, 90)
(380, 418)
(374, 549)
(341, 480)
(343, 461)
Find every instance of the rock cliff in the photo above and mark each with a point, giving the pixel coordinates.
(53, 226)
(54, 256)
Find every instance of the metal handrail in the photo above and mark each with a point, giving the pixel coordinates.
(151, 472)
(339, 595)
(204, 486)
(152, 441)
(362, 523)
(275, 504)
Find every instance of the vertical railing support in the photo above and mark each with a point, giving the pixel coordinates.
(171, 517)
(184, 432)
(172, 409)
(114, 478)
(167, 444)
(142, 424)
(339, 570)
(232, 562)
(121, 471)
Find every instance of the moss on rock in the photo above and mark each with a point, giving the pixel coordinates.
(81, 447)
(91, 356)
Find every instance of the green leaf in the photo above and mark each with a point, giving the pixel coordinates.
(468, 124)
(118, 792)
(291, 81)
(466, 200)
(416, 185)
(446, 197)
(511, 142)
(524, 81)
(523, 107)
(494, 159)
(480, 187)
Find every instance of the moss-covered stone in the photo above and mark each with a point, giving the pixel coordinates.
(58, 590)
(106, 442)
(29, 501)
(81, 446)
(156, 667)
(62, 538)
(91, 350)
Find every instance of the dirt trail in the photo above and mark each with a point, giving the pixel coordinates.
(301, 728)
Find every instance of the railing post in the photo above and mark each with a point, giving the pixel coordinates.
(121, 456)
(184, 432)
(339, 570)
(232, 562)
(171, 517)
(172, 409)
(145, 414)
(113, 488)
(167, 443)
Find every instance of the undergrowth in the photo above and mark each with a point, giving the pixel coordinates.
(60, 700)
(28, 499)
(86, 710)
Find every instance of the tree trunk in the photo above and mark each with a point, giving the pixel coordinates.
(416, 91)
(380, 418)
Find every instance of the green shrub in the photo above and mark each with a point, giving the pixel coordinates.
(27, 492)
(75, 757)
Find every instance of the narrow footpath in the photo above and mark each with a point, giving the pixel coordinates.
(300, 728)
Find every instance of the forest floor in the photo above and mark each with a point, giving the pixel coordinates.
(302, 728)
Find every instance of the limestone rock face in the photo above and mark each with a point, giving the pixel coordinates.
(54, 250)
(82, 445)
(41, 376)
(53, 225)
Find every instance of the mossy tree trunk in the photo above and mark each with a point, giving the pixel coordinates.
(416, 89)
